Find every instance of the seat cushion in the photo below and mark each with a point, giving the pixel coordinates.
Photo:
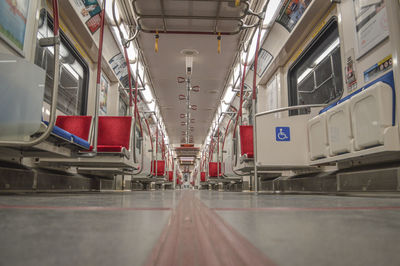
(109, 148)
(81, 142)
(59, 132)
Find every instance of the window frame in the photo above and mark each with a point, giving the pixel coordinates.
(292, 85)
(71, 48)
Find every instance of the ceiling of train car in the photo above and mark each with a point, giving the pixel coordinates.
(209, 68)
(209, 72)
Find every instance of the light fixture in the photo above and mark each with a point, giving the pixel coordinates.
(147, 95)
(271, 12)
(253, 45)
(109, 13)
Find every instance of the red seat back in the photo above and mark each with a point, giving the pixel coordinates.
(170, 175)
(114, 131)
(76, 125)
(203, 177)
(246, 141)
(213, 169)
(160, 168)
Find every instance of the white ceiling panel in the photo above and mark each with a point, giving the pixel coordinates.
(209, 72)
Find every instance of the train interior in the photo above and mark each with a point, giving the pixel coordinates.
(199, 132)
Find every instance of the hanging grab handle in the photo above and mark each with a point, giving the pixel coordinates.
(157, 36)
(219, 42)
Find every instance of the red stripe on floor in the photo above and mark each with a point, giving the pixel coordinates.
(80, 208)
(196, 235)
(309, 209)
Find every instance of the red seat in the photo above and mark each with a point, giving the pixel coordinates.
(213, 169)
(114, 133)
(170, 176)
(76, 125)
(246, 141)
(160, 168)
(203, 177)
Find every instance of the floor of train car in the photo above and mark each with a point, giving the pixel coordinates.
(198, 228)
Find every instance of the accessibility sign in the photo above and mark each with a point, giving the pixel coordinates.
(282, 133)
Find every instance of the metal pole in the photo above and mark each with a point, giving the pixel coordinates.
(218, 152)
(254, 108)
(174, 175)
(187, 109)
(97, 98)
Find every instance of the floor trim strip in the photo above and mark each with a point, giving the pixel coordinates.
(197, 235)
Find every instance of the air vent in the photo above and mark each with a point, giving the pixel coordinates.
(189, 52)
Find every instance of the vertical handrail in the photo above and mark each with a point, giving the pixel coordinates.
(218, 168)
(156, 161)
(133, 126)
(54, 95)
(136, 111)
(98, 80)
(254, 107)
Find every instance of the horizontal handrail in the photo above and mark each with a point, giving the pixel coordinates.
(289, 108)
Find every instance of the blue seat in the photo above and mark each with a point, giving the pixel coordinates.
(60, 132)
(81, 142)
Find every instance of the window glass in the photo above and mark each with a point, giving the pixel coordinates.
(74, 72)
(123, 102)
(316, 77)
(123, 108)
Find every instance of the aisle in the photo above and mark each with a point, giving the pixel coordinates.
(197, 228)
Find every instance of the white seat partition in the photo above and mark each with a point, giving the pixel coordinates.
(371, 112)
(361, 124)
(22, 91)
(318, 137)
(282, 143)
(339, 129)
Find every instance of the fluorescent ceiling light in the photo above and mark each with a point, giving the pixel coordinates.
(253, 45)
(109, 11)
(132, 53)
(236, 73)
(140, 69)
(151, 106)
(124, 32)
(147, 95)
(190, 159)
(270, 13)
(328, 51)
(229, 95)
(224, 106)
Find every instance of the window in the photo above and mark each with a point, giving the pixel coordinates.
(316, 77)
(123, 102)
(74, 72)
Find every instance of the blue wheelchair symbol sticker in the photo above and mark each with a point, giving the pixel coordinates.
(282, 133)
